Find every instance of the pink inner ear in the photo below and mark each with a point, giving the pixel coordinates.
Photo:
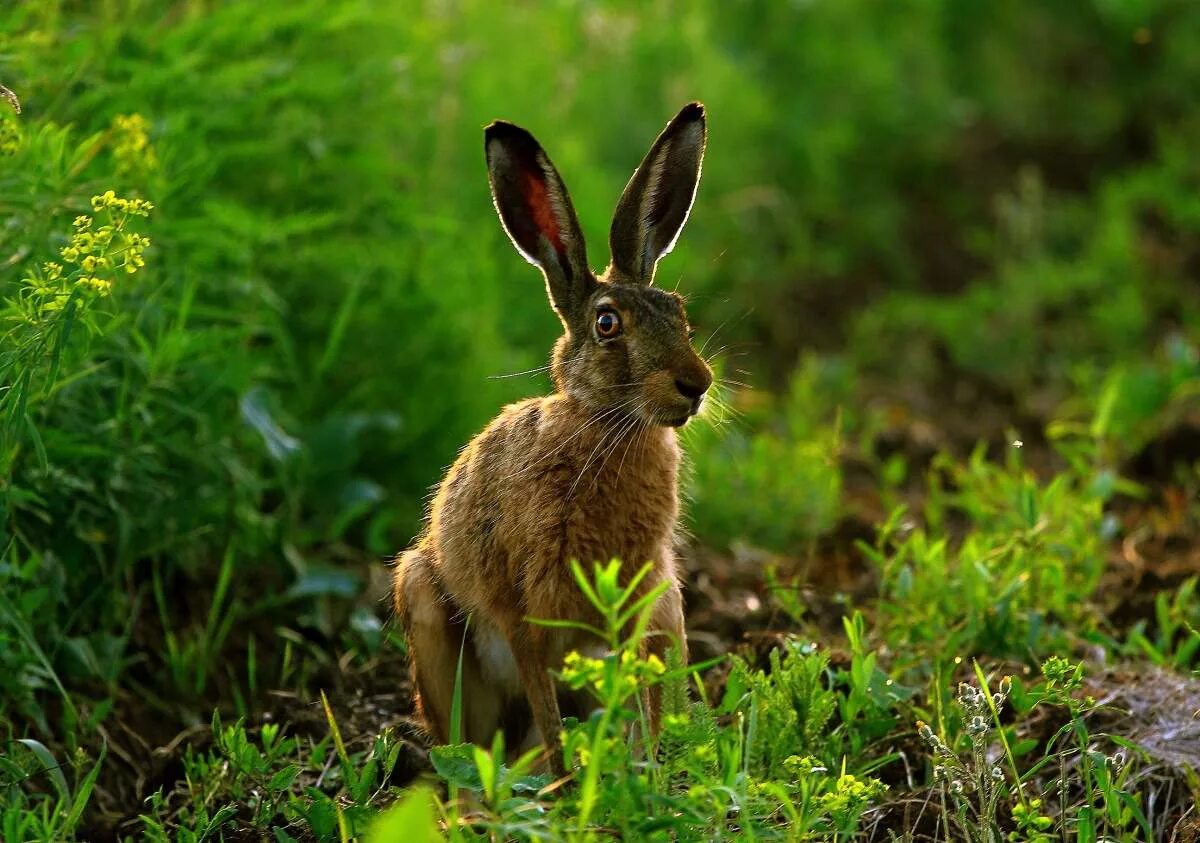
(541, 210)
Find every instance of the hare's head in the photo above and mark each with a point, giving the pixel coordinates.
(626, 347)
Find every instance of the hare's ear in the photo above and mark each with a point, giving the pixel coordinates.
(536, 212)
(658, 198)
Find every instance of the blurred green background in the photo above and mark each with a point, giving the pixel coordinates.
(921, 224)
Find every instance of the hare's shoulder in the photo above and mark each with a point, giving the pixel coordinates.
(532, 428)
(513, 432)
(504, 455)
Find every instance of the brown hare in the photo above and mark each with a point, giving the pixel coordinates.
(588, 473)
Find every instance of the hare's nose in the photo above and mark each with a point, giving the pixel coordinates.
(692, 389)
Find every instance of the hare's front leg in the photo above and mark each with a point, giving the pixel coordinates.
(665, 631)
(530, 650)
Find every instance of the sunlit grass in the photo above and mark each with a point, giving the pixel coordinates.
(918, 239)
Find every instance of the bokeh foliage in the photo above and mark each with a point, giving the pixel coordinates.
(985, 215)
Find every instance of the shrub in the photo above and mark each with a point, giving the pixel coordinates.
(773, 478)
(1021, 576)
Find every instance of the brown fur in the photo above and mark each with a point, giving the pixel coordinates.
(588, 473)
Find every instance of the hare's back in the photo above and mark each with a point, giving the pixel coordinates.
(472, 511)
(486, 468)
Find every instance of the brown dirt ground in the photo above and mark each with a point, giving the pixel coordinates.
(730, 608)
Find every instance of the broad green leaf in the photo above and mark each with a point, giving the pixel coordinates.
(411, 820)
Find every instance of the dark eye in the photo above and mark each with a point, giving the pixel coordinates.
(608, 324)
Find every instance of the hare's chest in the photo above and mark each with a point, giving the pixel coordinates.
(643, 507)
(628, 515)
(613, 511)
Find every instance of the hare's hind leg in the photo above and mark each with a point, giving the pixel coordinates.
(436, 629)
(425, 612)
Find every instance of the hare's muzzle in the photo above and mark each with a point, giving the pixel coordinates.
(693, 390)
(691, 387)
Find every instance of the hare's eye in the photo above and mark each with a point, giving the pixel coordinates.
(608, 324)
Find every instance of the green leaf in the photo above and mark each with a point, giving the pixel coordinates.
(413, 820)
(365, 782)
(84, 792)
(607, 583)
(645, 602)
(633, 584)
(283, 779)
(1104, 407)
(456, 706)
(255, 412)
(29, 640)
(1024, 747)
(531, 784)
(35, 437)
(456, 764)
(325, 581)
(486, 765)
(220, 818)
(337, 331)
(320, 813)
(585, 585)
(64, 336)
(348, 771)
(553, 623)
(50, 767)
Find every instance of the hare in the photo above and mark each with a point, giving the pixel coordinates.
(587, 473)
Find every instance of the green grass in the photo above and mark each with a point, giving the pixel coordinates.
(943, 258)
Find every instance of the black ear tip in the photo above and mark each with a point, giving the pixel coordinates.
(503, 130)
(510, 136)
(689, 119)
